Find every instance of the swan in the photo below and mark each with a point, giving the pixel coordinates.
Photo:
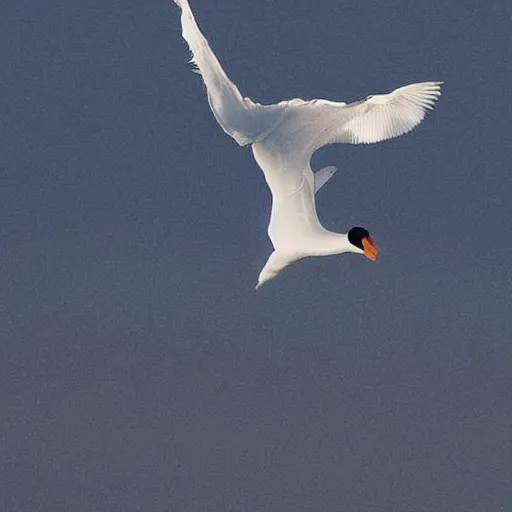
(284, 137)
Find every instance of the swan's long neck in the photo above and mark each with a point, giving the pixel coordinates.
(328, 243)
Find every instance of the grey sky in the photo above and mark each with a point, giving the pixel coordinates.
(141, 371)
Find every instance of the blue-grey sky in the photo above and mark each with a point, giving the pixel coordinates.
(139, 368)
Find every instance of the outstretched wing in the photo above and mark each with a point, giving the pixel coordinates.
(374, 119)
(240, 117)
(384, 116)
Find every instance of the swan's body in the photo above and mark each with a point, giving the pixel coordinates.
(284, 136)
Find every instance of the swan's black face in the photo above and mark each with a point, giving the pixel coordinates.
(360, 238)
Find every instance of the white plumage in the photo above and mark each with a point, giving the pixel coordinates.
(284, 136)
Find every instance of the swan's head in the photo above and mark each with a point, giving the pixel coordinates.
(361, 240)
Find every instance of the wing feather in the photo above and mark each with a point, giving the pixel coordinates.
(385, 116)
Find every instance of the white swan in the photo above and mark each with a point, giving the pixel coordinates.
(285, 136)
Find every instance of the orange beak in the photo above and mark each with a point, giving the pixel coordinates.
(370, 251)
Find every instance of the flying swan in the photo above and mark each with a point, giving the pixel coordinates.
(285, 136)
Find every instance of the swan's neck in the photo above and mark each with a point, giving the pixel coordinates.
(333, 243)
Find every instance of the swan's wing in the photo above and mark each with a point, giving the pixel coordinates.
(310, 124)
(374, 119)
(240, 117)
(384, 116)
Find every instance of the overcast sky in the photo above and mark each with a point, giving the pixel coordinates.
(140, 370)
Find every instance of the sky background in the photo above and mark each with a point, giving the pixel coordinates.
(139, 368)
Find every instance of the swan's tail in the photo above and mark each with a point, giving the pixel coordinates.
(276, 263)
(244, 120)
